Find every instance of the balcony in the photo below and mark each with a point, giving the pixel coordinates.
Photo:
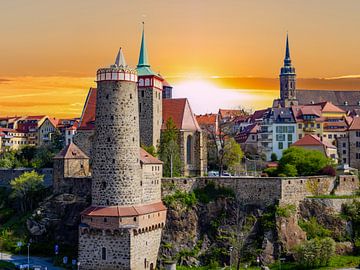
(309, 129)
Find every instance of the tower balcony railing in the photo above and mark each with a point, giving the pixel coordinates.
(309, 129)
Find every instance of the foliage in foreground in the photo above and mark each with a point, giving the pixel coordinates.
(298, 161)
(315, 253)
(26, 189)
(313, 229)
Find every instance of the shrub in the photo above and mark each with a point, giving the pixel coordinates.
(285, 210)
(186, 199)
(328, 170)
(274, 157)
(271, 171)
(315, 253)
(313, 229)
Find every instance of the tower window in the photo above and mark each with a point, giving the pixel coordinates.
(130, 96)
(108, 139)
(107, 202)
(142, 93)
(103, 185)
(107, 96)
(105, 219)
(103, 253)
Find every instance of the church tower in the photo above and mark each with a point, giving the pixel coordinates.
(150, 88)
(122, 228)
(287, 80)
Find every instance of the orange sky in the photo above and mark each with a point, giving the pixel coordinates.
(50, 50)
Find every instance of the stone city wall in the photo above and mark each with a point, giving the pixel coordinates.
(73, 185)
(347, 184)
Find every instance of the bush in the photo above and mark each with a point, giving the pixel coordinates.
(274, 157)
(313, 229)
(186, 199)
(328, 170)
(285, 211)
(289, 170)
(315, 253)
(271, 171)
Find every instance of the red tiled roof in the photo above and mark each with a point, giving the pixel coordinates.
(327, 106)
(71, 151)
(34, 117)
(88, 114)
(146, 158)
(312, 140)
(7, 130)
(355, 125)
(123, 211)
(206, 119)
(180, 111)
(229, 113)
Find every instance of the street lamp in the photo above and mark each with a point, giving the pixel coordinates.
(230, 252)
(78, 265)
(28, 257)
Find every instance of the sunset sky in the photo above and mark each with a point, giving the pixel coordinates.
(233, 49)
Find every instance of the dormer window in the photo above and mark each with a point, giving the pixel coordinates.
(345, 103)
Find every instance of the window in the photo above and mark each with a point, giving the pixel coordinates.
(317, 125)
(344, 144)
(300, 125)
(188, 149)
(290, 137)
(357, 133)
(281, 146)
(290, 129)
(344, 152)
(103, 253)
(280, 137)
(357, 144)
(330, 136)
(300, 136)
(139, 107)
(344, 160)
(142, 93)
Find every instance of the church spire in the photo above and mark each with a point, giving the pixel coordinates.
(120, 59)
(287, 60)
(143, 57)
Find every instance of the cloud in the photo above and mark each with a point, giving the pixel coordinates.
(344, 77)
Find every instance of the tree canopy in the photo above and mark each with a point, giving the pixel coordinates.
(169, 151)
(26, 188)
(232, 155)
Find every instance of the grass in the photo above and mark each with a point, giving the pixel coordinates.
(7, 265)
(334, 197)
(336, 262)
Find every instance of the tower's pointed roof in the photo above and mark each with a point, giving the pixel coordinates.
(287, 60)
(71, 151)
(120, 59)
(143, 57)
(143, 67)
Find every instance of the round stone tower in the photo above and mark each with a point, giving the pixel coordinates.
(122, 228)
(116, 164)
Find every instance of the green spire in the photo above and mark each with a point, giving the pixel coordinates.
(143, 57)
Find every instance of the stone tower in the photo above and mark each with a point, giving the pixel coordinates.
(287, 80)
(122, 228)
(150, 99)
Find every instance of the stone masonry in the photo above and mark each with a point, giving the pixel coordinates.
(122, 228)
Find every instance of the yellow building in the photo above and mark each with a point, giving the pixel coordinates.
(309, 120)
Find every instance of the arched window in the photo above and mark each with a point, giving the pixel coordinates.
(103, 253)
(141, 82)
(189, 149)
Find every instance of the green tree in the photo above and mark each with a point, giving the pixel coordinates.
(232, 155)
(26, 189)
(315, 253)
(150, 149)
(306, 162)
(289, 170)
(8, 160)
(274, 157)
(43, 157)
(169, 151)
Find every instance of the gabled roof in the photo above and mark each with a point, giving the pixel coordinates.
(327, 106)
(180, 111)
(224, 113)
(206, 119)
(355, 125)
(88, 114)
(71, 151)
(146, 158)
(312, 140)
(301, 110)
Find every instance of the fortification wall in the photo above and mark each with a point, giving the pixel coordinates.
(73, 185)
(6, 175)
(347, 184)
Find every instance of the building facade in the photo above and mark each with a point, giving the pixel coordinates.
(122, 228)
